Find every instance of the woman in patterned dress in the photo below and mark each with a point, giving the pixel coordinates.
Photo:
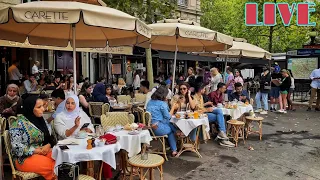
(31, 141)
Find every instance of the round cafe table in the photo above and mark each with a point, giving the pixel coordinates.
(79, 153)
(130, 146)
(237, 113)
(186, 126)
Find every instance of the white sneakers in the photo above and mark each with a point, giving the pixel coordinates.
(282, 111)
(263, 112)
(258, 111)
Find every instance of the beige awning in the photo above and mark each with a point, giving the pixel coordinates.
(242, 49)
(189, 37)
(126, 50)
(50, 23)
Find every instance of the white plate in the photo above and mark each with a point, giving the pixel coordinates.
(133, 132)
(78, 137)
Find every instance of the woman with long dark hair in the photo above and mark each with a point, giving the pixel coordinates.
(110, 93)
(85, 96)
(71, 84)
(183, 100)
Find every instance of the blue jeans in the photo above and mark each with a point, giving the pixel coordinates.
(217, 116)
(264, 97)
(167, 129)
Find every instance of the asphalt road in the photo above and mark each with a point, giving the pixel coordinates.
(290, 149)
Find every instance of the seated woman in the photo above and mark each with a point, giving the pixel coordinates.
(99, 93)
(85, 96)
(42, 80)
(183, 100)
(160, 121)
(31, 141)
(10, 102)
(70, 84)
(69, 122)
(109, 93)
(121, 84)
(214, 115)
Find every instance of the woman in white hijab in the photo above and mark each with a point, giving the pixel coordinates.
(69, 122)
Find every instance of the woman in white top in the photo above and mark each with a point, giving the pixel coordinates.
(137, 80)
(216, 78)
(291, 90)
(69, 122)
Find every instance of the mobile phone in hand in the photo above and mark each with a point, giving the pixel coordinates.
(85, 125)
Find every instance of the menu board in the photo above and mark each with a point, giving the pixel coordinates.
(116, 68)
(302, 67)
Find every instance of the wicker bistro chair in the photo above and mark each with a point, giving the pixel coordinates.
(3, 125)
(140, 97)
(105, 108)
(114, 118)
(15, 173)
(140, 113)
(11, 119)
(124, 99)
(95, 110)
(161, 139)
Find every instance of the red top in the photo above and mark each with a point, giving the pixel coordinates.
(216, 97)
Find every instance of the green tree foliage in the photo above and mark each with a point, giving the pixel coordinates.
(147, 10)
(228, 17)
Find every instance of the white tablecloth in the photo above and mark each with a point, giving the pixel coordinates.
(132, 143)
(78, 153)
(187, 125)
(236, 113)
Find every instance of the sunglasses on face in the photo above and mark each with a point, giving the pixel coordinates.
(183, 88)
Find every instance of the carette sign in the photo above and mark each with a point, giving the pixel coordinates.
(285, 10)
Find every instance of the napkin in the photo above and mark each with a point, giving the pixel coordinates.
(69, 141)
(109, 138)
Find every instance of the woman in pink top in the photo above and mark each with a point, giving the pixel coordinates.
(238, 77)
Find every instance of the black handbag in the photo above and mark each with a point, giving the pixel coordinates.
(68, 171)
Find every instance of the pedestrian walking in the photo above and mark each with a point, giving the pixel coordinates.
(315, 89)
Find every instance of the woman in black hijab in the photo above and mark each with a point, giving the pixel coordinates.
(31, 141)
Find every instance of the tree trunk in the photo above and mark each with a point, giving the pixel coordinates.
(270, 39)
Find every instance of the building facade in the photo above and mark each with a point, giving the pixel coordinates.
(189, 9)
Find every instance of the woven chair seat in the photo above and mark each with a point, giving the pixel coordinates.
(27, 175)
(85, 177)
(154, 160)
(235, 122)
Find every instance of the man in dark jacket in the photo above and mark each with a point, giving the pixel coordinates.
(265, 80)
